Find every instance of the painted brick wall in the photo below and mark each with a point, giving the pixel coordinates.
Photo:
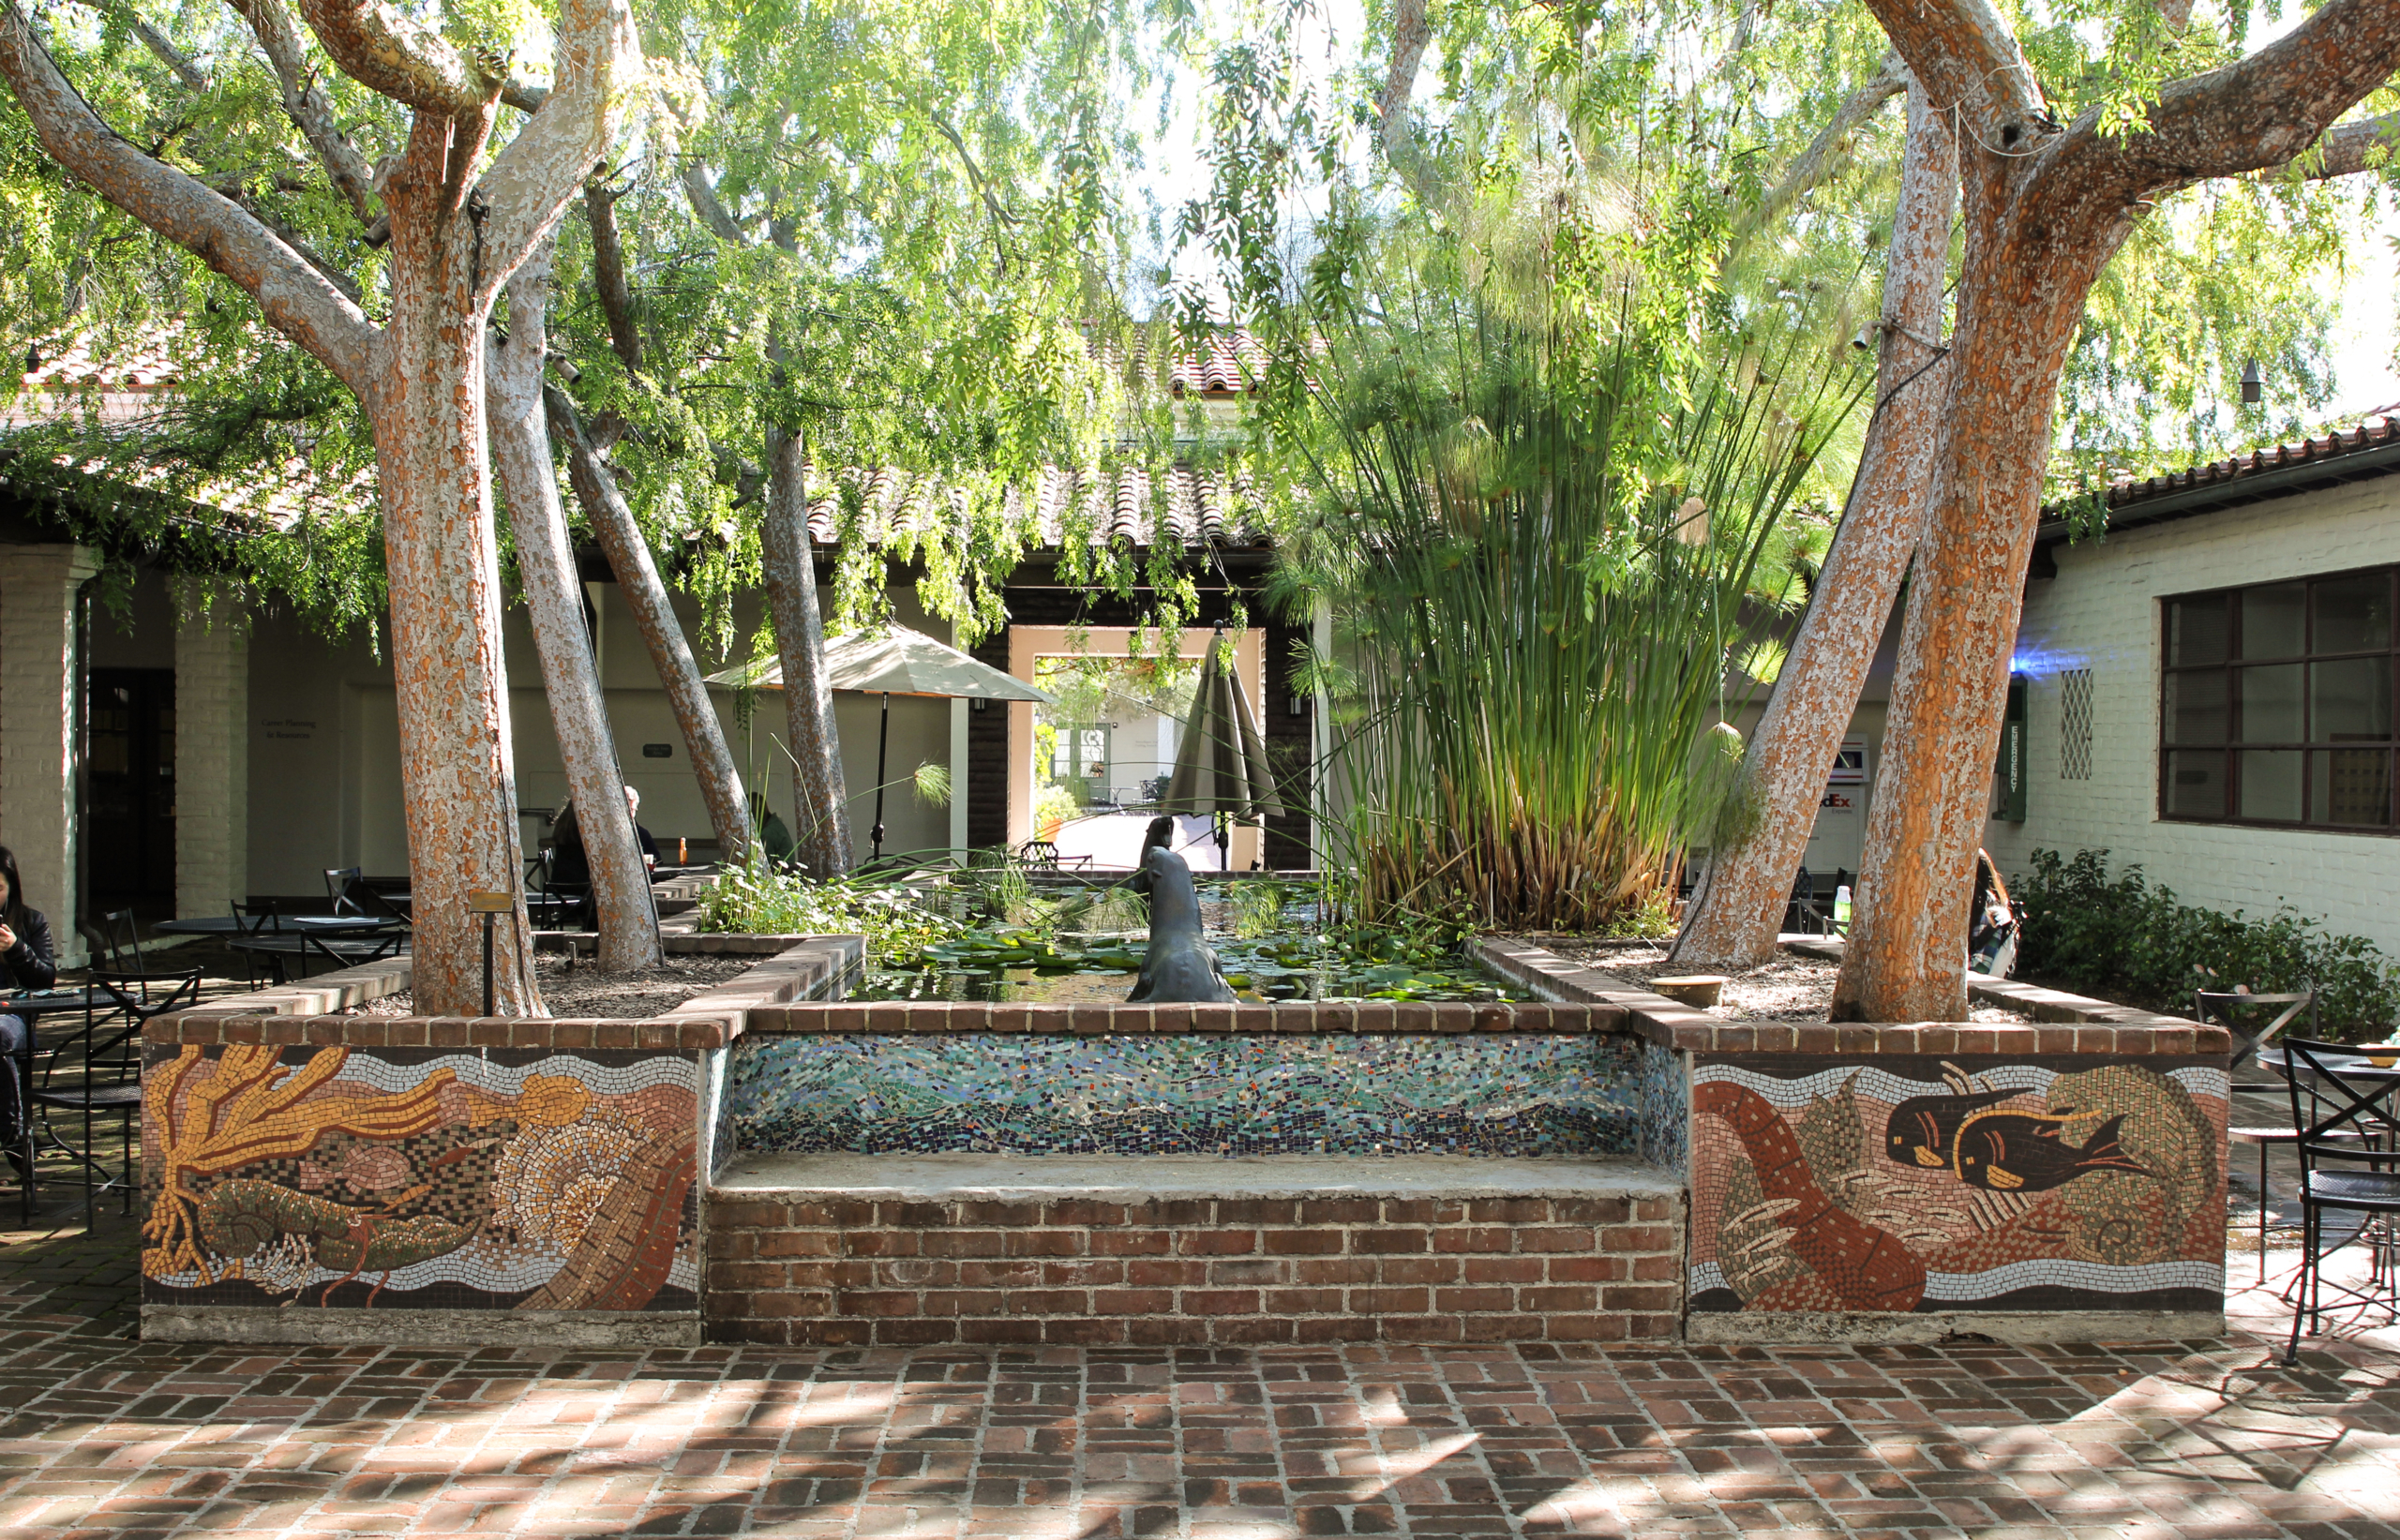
(1202, 1271)
(212, 761)
(2102, 613)
(38, 588)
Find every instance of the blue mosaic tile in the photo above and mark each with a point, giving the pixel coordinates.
(1490, 1095)
(1665, 1101)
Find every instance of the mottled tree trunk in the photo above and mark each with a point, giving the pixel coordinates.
(637, 581)
(1736, 913)
(2045, 207)
(820, 799)
(2026, 275)
(456, 765)
(520, 444)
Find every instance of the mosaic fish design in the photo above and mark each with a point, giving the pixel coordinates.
(1898, 1184)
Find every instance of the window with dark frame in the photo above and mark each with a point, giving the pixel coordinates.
(2276, 704)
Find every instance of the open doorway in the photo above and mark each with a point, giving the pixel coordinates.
(1087, 774)
(130, 791)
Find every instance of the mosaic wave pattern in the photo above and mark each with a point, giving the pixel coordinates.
(1909, 1184)
(1490, 1094)
(493, 1179)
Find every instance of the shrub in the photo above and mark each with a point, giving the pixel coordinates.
(759, 900)
(2124, 939)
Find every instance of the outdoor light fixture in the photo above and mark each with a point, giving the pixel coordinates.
(978, 704)
(1296, 706)
(2251, 382)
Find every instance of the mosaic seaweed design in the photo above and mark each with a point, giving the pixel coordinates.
(1914, 1183)
(479, 1179)
(1495, 1095)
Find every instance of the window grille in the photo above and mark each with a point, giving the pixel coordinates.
(2278, 703)
(2074, 724)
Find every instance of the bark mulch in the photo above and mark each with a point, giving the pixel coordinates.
(583, 990)
(1790, 987)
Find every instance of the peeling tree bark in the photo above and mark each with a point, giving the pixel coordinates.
(521, 446)
(637, 581)
(820, 798)
(2046, 208)
(1735, 915)
(457, 759)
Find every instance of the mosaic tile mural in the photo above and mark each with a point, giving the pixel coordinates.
(485, 1178)
(1665, 1132)
(1487, 1094)
(1916, 1184)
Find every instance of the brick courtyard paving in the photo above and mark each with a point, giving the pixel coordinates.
(103, 1435)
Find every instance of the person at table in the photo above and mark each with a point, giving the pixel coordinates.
(27, 961)
(569, 864)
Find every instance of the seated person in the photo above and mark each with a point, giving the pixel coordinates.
(571, 866)
(27, 960)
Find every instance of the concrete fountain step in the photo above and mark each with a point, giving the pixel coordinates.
(1185, 1249)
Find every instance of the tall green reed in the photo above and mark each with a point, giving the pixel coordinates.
(1543, 557)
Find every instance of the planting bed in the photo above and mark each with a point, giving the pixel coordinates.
(570, 990)
(1792, 987)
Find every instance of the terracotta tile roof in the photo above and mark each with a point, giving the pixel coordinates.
(2375, 430)
(145, 362)
(1187, 505)
(1190, 506)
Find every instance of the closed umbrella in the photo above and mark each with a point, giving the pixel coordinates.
(1221, 767)
(897, 662)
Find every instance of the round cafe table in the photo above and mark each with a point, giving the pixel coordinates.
(289, 924)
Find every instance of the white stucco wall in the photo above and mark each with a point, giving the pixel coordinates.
(2102, 613)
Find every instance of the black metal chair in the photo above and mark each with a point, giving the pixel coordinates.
(2350, 1121)
(359, 899)
(250, 920)
(564, 905)
(96, 1070)
(337, 882)
(2223, 1008)
(1800, 909)
(140, 994)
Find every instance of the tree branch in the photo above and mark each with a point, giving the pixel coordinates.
(306, 103)
(609, 275)
(295, 297)
(2352, 148)
(2267, 109)
(700, 192)
(1410, 32)
(159, 44)
(383, 51)
(530, 181)
(1967, 57)
(999, 216)
(1890, 80)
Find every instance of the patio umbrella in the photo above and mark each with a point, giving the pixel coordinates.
(897, 662)
(1221, 767)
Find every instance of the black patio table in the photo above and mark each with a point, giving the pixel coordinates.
(331, 925)
(31, 1005)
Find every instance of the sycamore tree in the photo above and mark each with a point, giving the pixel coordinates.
(2046, 202)
(448, 216)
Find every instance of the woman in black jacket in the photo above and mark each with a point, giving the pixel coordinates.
(27, 961)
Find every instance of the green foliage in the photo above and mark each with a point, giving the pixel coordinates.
(2122, 939)
(762, 900)
(1546, 530)
(1055, 802)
